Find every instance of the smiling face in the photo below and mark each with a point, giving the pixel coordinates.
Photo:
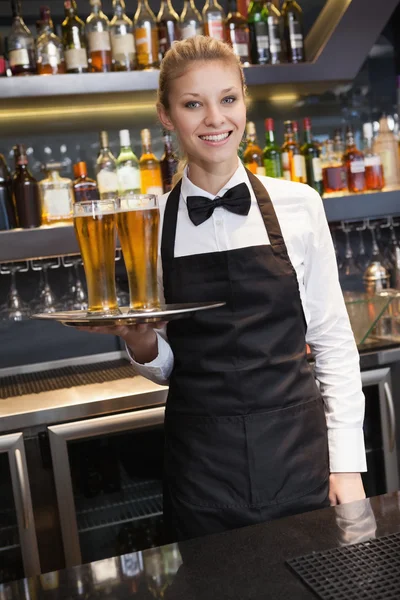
(207, 112)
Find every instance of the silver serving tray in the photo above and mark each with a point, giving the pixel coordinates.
(166, 312)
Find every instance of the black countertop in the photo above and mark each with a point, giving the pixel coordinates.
(245, 564)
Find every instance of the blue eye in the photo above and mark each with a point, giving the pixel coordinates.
(229, 100)
(192, 104)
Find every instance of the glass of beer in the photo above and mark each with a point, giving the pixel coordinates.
(138, 221)
(95, 228)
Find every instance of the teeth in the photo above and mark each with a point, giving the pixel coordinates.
(215, 138)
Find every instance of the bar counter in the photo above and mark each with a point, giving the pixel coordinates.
(243, 564)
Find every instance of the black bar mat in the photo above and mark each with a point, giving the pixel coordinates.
(65, 377)
(368, 571)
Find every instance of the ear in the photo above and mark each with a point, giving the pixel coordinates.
(164, 118)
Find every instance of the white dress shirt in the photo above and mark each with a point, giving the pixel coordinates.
(306, 233)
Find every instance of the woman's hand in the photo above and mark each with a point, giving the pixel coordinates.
(345, 487)
(141, 339)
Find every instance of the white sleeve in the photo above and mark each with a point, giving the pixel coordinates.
(331, 340)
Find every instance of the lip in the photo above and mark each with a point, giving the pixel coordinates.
(216, 144)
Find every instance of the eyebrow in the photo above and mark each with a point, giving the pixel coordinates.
(225, 91)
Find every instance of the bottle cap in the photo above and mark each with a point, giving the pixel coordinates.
(146, 136)
(45, 13)
(295, 126)
(20, 155)
(124, 137)
(368, 131)
(67, 4)
(104, 139)
(269, 124)
(250, 128)
(288, 126)
(80, 169)
(307, 123)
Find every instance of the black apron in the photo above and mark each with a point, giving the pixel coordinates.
(245, 428)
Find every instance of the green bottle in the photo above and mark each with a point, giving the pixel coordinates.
(257, 18)
(272, 153)
(311, 154)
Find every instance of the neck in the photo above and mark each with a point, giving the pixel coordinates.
(211, 177)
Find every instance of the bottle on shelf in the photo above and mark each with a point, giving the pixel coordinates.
(258, 31)
(127, 166)
(56, 195)
(213, 19)
(353, 159)
(122, 40)
(311, 154)
(190, 22)
(146, 37)
(150, 170)
(106, 170)
(84, 187)
(25, 191)
(98, 38)
(237, 32)
(73, 35)
(168, 162)
(168, 26)
(275, 33)
(333, 171)
(385, 145)
(8, 219)
(292, 16)
(272, 155)
(21, 45)
(253, 155)
(373, 164)
(49, 48)
(292, 160)
(3, 62)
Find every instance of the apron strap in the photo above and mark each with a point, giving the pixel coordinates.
(267, 210)
(169, 225)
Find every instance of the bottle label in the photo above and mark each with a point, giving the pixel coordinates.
(76, 58)
(357, 166)
(155, 189)
(372, 161)
(99, 41)
(317, 169)
(240, 43)
(128, 178)
(57, 203)
(122, 46)
(298, 165)
(275, 45)
(286, 162)
(388, 162)
(260, 171)
(262, 41)
(295, 34)
(215, 26)
(188, 30)
(286, 175)
(145, 46)
(107, 181)
(85, 193)
(19, 57)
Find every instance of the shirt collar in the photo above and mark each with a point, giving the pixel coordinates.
(190, 189)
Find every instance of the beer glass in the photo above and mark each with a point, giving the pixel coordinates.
(95, 228)
(138, 220)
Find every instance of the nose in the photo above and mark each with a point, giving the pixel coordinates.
(214, 116)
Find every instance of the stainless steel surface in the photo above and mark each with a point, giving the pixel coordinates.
(59, 435)
(43, 242)
(376, 278)
(13, 444)
(392, 416)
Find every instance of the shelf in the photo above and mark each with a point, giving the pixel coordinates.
(43, 242)
(355, 207)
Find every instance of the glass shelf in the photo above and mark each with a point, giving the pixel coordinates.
(372, 316)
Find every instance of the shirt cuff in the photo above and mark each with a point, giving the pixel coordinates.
(347, 450)
(159, 369)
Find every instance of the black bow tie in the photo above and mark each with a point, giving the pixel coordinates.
(236, 200)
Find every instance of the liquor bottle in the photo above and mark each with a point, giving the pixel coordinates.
(73, 35)
(3, 62)
(272, 155)
(122, 40)
(292, 160)
(85, 188)
(353, 159)
(168, 162)
(8, 219)
(56, 196)
(293, 27)
(21, 45)
(237, 32)
(106, 170)
(275, 33)
(150, 170)
(311, 154)
(190, 22)
(334, 175)
(213, 19)
(98, 37)
(385, 145)
(373, 163)
(258, 29)
(25, 191)
(127, 166)
(49, 48)
(253, 155)
(146, 36)
(168, 26)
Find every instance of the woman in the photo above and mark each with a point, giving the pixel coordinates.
(247, 431)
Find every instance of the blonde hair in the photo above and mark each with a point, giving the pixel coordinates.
(177, 60)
